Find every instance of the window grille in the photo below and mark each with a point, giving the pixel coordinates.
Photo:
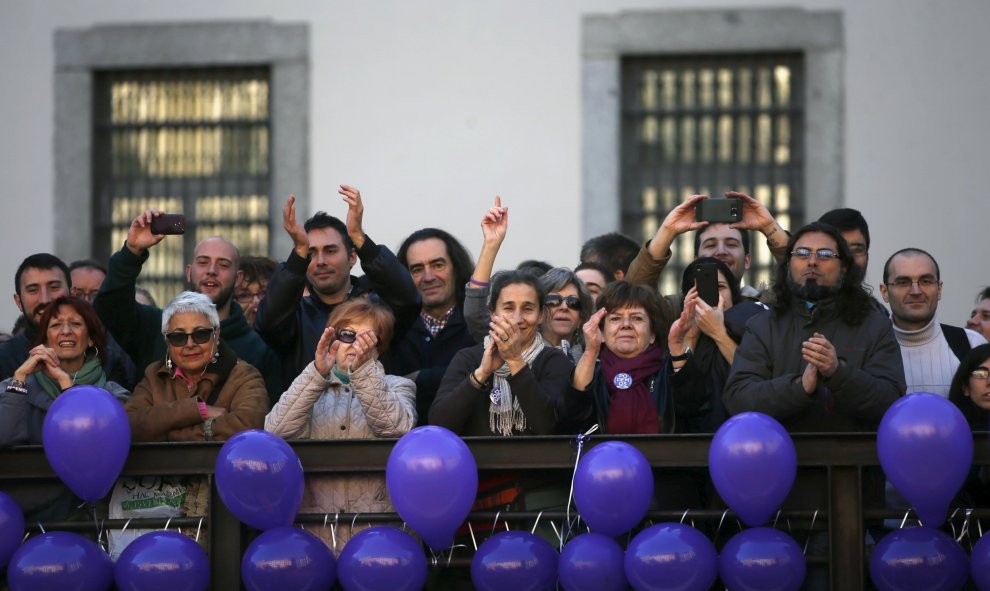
(192, 141)
(708, 124)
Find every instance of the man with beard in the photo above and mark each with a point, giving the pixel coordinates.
(931, 351)
(39, 279)
(825, 359)
(440, 267)
(212, 272)
(324, 251)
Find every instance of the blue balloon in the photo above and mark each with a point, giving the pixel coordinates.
(918, 558)
(591, 562)
(11, 528)
(260, 479)
(669, 557)
(926, 450)
(613, 487)
(382, 559)
(87, 436)
(427, 464)
(288, 558)
(516, 561)
(162, 561)
(762, 559)
(752, 462)
(59, 561)
(979, 565)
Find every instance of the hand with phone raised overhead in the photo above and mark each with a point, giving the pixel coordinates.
(140, 236)
(755, 216)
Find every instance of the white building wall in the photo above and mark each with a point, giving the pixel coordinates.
(434, 107)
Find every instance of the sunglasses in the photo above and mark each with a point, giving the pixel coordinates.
(199, 336)
(346, 335)
(554, 300)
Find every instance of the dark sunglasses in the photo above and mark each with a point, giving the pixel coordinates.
(179, 339)
(553, 300)
(346, 335)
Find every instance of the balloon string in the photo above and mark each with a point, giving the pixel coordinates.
(775, 519)
(537, 522)
(952, 524)
(495, 523)
(684, 516)
(41, 527)
(904, 521)
(199, 528)
(474, 542)
(560, 537)
(579, 440)
(167, 523)
(811, 530)
(718, 529)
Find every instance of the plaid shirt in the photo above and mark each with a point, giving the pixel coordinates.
(435, 325)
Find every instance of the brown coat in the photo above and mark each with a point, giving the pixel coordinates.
(163, 409)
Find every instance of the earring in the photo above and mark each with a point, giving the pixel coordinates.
(216, 354)
(168, 361)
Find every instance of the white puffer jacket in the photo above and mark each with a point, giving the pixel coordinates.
(373, 405)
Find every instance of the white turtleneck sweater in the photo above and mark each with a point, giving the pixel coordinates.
(929, 363)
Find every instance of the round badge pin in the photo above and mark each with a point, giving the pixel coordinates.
(496, 396)
(622, 381)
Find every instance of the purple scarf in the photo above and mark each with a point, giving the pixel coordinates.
(631, 407)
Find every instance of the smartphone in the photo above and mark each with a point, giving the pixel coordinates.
(168, 223)
(726, 211)
(706, 280)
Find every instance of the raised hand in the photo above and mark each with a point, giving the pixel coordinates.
(682, 218)
(293, 228)
(326, 351)
(754, 215)
(710, 320)
(139, 235)
(355, 214)
(507, 338)
(365, 349)
(495, 224)
(592, 330)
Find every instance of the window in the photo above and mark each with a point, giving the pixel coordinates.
(704, 125)
(194, 142)
(183, 117)
(682, 102)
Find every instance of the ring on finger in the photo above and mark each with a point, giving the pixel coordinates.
(505, 338)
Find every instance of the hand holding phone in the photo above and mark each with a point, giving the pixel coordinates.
(706, 280)
(719, 210)
(168, 223)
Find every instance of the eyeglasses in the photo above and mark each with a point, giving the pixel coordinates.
(345, 335)
(858, 249)
(981, 373)
(553, 300)
(822, 254)
(89, 296)
(926, 282)
(199, 336)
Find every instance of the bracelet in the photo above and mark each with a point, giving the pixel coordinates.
(478, 383)
(473, 281)
(683, 356)
(208, 429)
(202, 409)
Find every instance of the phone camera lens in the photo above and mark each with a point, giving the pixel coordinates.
(734, 211)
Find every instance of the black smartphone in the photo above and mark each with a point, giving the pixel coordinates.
(719, 210)
(706, 280)
(168, 223)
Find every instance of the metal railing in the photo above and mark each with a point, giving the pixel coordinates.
(837, 507)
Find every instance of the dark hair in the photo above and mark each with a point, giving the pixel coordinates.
(621, 294)
(743, 237)
(87, 264)
(846, 219)
(256, 268)
(42, 260)
(361, 308)
(975, 416)
(614, 251)
(460, 258)
(534, 267)
(687, 280)
(94, 327)
(322, 219)
(854, 301)
(593, 266)
(502, 279)
(983, 295)
(909, 251)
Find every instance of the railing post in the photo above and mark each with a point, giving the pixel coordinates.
(846, 532)
(225, 544)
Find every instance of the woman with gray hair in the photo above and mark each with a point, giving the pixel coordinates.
(200, 390)
(568, 306)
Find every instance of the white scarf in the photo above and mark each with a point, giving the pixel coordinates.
(504, 412)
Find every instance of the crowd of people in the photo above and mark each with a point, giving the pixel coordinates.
(307, 350)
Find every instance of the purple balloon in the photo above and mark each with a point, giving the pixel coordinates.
(260, 479)
(762, 559)
(979, 566)
(288, 558)
(428, 464)
(11, 528)
(926, 450)
(918, 558)
(87, 436)
(382, 558)
(613, 487)
(162, 561)
(752, 463)
(516, 561)
(59, 561)
(591, 562)
(671, 556)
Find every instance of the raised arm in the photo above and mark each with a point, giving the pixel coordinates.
(277, 317)
(757, 217)
(652, 258)
(494, 226)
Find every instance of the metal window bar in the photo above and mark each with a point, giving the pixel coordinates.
(707, 124)
(190, 141)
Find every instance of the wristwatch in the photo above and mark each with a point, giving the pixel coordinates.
(208, 429)
(683, 356)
